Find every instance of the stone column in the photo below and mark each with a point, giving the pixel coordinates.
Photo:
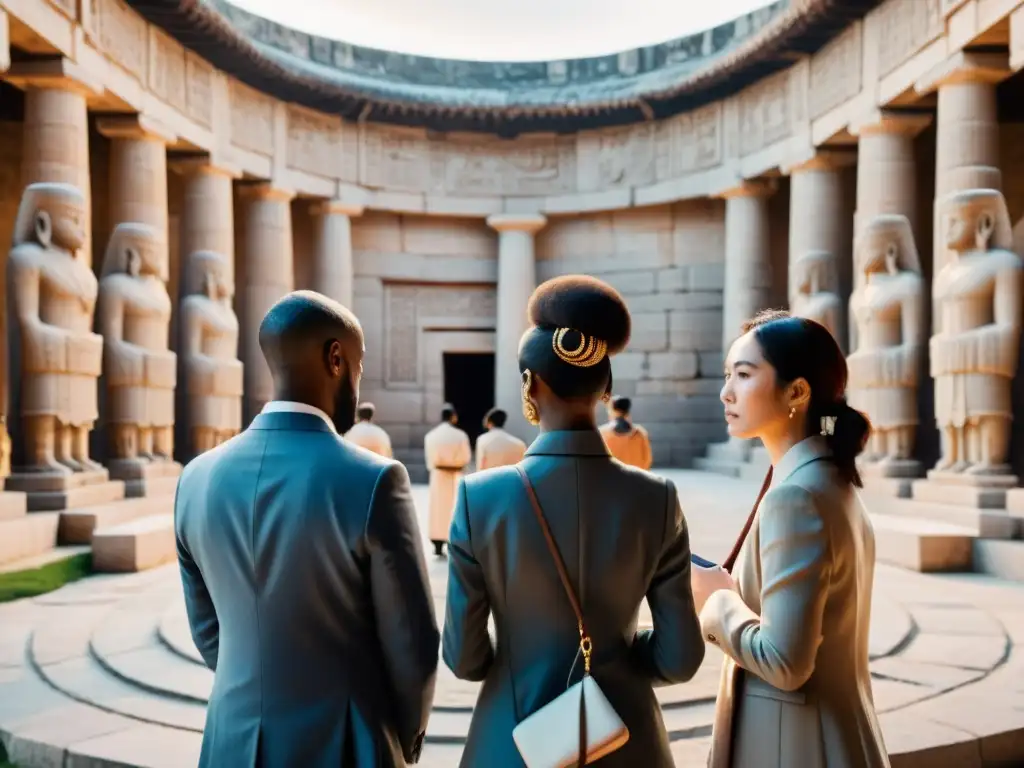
(267, 275)
(138, 173)
(332, 249)
(748, 278)
(818, 240)
(208, 210)
(967, 123)
(517, 279)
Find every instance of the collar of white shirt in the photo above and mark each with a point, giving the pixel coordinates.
(290, 406)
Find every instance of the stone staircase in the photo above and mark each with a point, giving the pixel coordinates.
(722, 459)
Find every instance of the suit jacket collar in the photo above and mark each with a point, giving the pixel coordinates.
(807, 450)
(583, 442)
(294, 421)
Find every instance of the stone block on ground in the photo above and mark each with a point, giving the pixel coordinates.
(154, 478)
(962, 489)
(134, 546)
(12, 505)
(27, 536)
(890, 478)
(983, 523)
(53, 492)
(77, 525)
(1001, 558)
(921, 545)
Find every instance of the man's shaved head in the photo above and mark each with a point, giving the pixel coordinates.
(314, 348)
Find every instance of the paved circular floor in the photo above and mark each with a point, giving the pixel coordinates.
(103, 672)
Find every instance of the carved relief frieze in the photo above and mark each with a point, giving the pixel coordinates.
(615, 157)
(199, 93)
(904, 26)
(252, 119)
(525, 166)
(123, 35)
(408, 308)
(167, 75)
(314, 142)
(767, 113)
(836, 72)
(689, 142)
(394, 159)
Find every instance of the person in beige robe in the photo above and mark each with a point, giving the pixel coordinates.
(626, 441)
(496, 447)
(368, 435)
(447, 451)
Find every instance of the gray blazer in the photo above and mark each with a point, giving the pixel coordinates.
(796, 688)
(307, 594)
(623, 537)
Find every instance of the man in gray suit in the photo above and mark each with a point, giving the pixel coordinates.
(303, 568)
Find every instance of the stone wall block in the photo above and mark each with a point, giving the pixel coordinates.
(711, 364)
(672, 365)
(396, 406)
(649, 332)
(696, 330)
(705, 277)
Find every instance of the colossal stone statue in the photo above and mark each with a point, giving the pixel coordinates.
(209, 349)
(815, 291)
(884, 369)
(978, 305)
(140, 371)
(56, 358)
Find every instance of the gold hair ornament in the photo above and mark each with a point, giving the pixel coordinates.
(590, 352)
(529, 407)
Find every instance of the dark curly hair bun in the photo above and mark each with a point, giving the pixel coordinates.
(585, 304)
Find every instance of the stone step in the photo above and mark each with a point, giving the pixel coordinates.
(42, 559)
(1001, 558)
(27, 536)
(729, 468)
(134, 546)
(983, 523)
(12, 504)
(77, 525)
(921, 545)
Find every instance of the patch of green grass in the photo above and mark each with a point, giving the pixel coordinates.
(39, 581)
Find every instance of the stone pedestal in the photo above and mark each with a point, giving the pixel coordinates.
(141, 478)
(332, 249)
(893, 477)
(964, 490)
(52, 492)
(267, 274)
(517, 279)
(12, 505)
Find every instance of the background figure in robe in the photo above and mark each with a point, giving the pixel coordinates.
(627, 442)
(368, 435)
(447, 452)
(496, 447)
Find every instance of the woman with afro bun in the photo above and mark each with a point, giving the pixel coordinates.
(619, 531)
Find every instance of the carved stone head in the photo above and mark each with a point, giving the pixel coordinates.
(136, 250)
(814, 270)
(207, 275)
(52, 215)
(887, 245)
(976, 220)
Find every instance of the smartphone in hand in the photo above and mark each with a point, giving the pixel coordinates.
(698, 560)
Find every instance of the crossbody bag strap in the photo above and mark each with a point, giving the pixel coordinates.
(730, 561)
(586, 646)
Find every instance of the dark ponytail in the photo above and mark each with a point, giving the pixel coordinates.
(798, 348)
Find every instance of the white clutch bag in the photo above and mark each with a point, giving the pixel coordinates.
(580, 726)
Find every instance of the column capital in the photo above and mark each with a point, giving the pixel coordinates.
(138, 127)
(342, 207)
(191, 164)
(54, 74)
(822, 160)
(965, 67)
(264, 190)
(906, 122)
(749, 188)
(517, 222)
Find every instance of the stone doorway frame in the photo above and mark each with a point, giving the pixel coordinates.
(435, 342)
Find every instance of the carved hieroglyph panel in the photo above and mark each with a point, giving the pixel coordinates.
(903, 27)
(123, 35)
(525, 166)
(767, 113)
(836, 72)
(406, 308)
(252, 119)
(394, 159)
(615, 157)
(689, 142)
(314, 142)
(167, 76)
(199, 94)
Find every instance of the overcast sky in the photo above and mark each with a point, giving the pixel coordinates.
(501, 30)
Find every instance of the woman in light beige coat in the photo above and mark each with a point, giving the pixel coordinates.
(795, 689)
(447, 451)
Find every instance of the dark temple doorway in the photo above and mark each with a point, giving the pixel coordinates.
(469, 386)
